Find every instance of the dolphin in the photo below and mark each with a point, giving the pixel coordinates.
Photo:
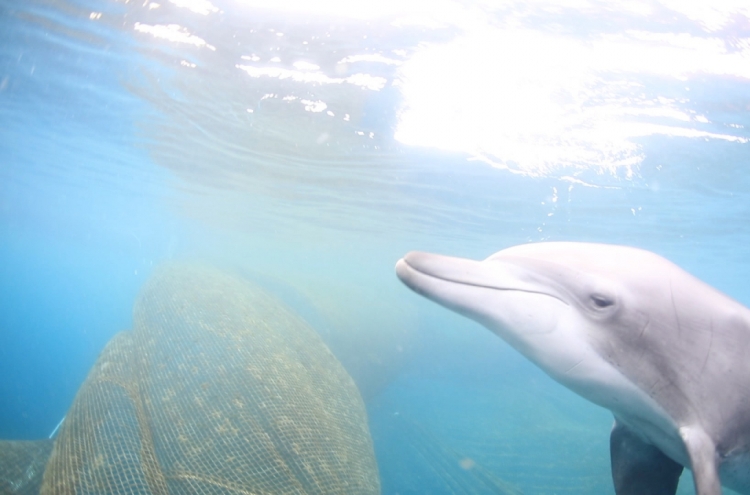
(626, 329)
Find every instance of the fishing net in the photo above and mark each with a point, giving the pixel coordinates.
(440, 467)
(218, 390)
(22, 465)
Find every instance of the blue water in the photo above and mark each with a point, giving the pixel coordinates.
(458, 128)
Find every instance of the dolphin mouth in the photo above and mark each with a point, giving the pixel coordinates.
(417, 267)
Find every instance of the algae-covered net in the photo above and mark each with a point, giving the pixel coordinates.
(219, 389)
(22, 465)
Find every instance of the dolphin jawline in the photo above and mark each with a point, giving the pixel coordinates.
(404, 270)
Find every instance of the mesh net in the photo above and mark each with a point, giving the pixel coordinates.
(22, 465)
(218, 390)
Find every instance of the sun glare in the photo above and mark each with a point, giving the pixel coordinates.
(533, 102)
(354, 9)
(513, 92)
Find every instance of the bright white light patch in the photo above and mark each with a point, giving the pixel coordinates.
(712, 15)
(370, 58)
(534, 102)
(301, 65)
(314, 106)
(355, 9)
(172, 32)
(363, 80)
(202, 7)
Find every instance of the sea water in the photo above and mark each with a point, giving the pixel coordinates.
(309, 145)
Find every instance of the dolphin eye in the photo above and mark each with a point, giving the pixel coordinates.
(601, 301)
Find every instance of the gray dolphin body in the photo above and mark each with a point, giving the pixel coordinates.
(630, 331)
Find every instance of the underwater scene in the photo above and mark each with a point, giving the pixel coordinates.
(203, 204)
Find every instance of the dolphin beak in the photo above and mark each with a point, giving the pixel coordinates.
(428, 274)
(417, 268)
(499, 293)
(416, 265)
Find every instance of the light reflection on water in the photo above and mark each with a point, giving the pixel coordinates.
(335, 115)
(361, 120)
(542, 102)
(512, 89)
(373, 123)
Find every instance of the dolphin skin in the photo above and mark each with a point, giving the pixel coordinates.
(666, 353)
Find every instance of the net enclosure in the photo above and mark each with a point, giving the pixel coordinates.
(219, 389)
(22, 465)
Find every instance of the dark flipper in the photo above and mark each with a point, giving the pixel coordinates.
(639, 468)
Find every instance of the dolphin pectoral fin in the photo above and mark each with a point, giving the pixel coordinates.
(639, 468)
(703, 462)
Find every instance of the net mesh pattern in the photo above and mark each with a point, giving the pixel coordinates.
(218, 390)
(22, 465)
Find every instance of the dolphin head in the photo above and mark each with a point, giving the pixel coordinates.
(574, 309)
(625, 329)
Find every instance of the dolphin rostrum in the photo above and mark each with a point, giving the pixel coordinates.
(667, 354)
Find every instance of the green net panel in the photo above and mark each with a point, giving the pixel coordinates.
(22, 465)
(218, 390)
